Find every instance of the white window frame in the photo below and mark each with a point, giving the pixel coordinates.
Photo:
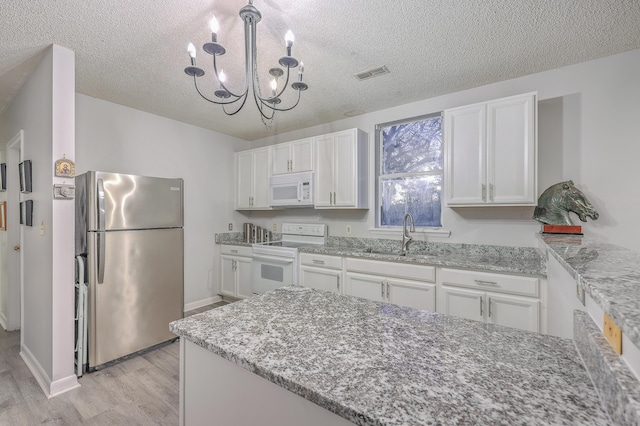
(439, 231)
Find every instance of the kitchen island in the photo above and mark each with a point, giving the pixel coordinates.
(343, 359)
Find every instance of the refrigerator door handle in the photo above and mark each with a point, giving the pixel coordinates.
(100, 234)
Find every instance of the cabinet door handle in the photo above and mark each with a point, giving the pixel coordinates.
(338, 282)
(490, 192)
(481, 308)
(482, 282)
(489, 307)
(334, 199)
(318, 262)
(388, 286)
(382, 289)
(331, 198)
(484, 192)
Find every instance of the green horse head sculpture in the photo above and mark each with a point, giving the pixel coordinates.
(558, 200)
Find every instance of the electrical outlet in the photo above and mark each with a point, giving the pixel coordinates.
(348, 229)
(231, 227)
(274, 227)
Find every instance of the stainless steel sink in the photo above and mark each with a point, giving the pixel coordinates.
(419, 256)
(408, 256)
(386, 253)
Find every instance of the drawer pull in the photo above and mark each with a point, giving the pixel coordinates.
(481, 310)
(318, 262)
(489, 307)
(234, 251)
(481, 282)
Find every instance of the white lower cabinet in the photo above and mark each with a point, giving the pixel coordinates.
(235, 271)
(321, 272)
(507, 300)
(462, 303)
(414, 294)
(398, 283)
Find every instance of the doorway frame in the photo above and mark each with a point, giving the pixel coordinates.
(14, 266)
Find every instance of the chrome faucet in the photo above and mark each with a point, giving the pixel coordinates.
(406, 238)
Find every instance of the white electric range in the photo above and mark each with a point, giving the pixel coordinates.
(275, 263)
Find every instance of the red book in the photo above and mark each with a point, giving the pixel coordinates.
(562, 229)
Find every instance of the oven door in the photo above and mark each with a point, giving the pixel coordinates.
(271, 272)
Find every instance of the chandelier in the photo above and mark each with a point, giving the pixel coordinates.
(232, 102)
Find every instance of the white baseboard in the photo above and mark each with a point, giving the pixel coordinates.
(63, 385)
(49, 388)
(200, 303)
(6, 324)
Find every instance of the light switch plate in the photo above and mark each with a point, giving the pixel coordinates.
(612, 333)
(580, 293)
(64, 192)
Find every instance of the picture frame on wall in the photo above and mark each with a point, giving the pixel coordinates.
(28, 213)
(3, 176)
(21, 177)
(25, 176)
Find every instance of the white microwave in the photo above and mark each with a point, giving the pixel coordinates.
(291, 190)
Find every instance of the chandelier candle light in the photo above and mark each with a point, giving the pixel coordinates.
(266, 105)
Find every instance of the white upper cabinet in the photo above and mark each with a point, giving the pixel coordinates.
(252, 179)
(466, 155)
(292, 157)
(490, 152)
(341, 170)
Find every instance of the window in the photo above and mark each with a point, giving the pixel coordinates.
(410, 171)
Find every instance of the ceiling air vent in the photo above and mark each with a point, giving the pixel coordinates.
(374, 72)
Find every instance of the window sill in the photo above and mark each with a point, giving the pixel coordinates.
(426, 232)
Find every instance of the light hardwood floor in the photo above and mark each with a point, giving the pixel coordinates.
(143, 390)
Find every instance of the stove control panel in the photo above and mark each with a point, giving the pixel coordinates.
(311, 229)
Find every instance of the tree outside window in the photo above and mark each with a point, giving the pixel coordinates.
(410, 171)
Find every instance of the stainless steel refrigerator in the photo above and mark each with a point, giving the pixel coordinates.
(130, 228)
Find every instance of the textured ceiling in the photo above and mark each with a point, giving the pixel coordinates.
(133, 52)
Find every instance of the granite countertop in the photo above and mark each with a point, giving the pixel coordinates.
(516, 260)
(610, 274)
(462, 259)
(380, 364)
